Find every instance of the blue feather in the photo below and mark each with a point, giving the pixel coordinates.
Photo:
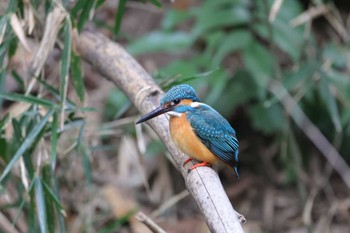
(215, 133)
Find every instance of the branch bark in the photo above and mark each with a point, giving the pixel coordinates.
(114, 63)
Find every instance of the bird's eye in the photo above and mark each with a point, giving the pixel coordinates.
(177, 101)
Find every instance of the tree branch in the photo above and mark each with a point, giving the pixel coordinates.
(114, 63)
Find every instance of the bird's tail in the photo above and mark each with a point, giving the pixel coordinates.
(236, 171)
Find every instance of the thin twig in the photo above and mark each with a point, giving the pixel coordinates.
(308, 15)
(6, 225)
(275, 8)
(169, 203)
(149, 223)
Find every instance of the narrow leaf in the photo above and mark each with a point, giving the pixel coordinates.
(70, 105)
(156, 3)
(18, 79)
(330, 102)
(23, 202)
(85, 14)
(50, 193)
(3, 26)
(54, 135)
(18, 29)
(26, 143)
(66, 55)
(65, 64)
(40, 202)
(119, 16)
(77, 76)
(26, 98)
(77, 7)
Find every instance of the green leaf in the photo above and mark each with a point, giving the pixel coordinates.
(18, 79)
(259, 62)
(86, 13)
(66, 57)
(46, 176)
(239, 90)
(289, 39)
(156, 3)
(330, 101)
(99, 3)
(297, 78)
(119, 16)
(26, 98)
(40, 202)
(54, 136)
(55, 92)
(3, 27)
(83, 150)
(50, 193)
(161, 41)
(268, 119)
(172, 18)
(183, 79)
(234, 41)
(27, 143)
(12, 7)
(4, 121)
(77, 76)
(79, 5)
(23, 202)
(222, 14)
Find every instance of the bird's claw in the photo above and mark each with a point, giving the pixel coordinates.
(203, 164)
(187, 161)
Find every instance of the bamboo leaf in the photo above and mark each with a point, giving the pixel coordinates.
(26, 98)
(4, 121)
(77, 7)
(18, 79)
(156, 3)
(66, 55)
(330, 101)
(40, 202)
(3, 26)
(54, 136)
(23, 202)
(50, 193)
(26, 143)
(119, 16)
(77, 76)
(85, 14)
(70, 105)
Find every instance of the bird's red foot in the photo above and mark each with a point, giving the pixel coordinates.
(187, 161)
(203, 164)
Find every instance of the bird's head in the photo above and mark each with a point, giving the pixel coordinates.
(176, 101)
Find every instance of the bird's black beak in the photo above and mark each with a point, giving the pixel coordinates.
(156, 112)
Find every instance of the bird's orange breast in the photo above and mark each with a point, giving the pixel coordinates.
(186, 140)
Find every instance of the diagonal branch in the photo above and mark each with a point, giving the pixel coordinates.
(311, 131)
(115, 64)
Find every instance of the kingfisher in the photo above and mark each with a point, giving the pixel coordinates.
(197, 129)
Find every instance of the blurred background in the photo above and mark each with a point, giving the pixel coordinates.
(72, 159)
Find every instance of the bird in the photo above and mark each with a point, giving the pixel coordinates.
(197, 129)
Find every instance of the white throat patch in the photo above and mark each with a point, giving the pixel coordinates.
(196, 104)
(175, 114)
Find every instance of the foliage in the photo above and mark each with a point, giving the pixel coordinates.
(232, 51)
(252, 51)
(42, 118)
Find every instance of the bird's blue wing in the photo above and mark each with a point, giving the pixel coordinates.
(215, 133)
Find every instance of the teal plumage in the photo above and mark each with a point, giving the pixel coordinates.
(216, 133)
(212, 130)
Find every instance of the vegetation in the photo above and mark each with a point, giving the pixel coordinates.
(278, 70)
